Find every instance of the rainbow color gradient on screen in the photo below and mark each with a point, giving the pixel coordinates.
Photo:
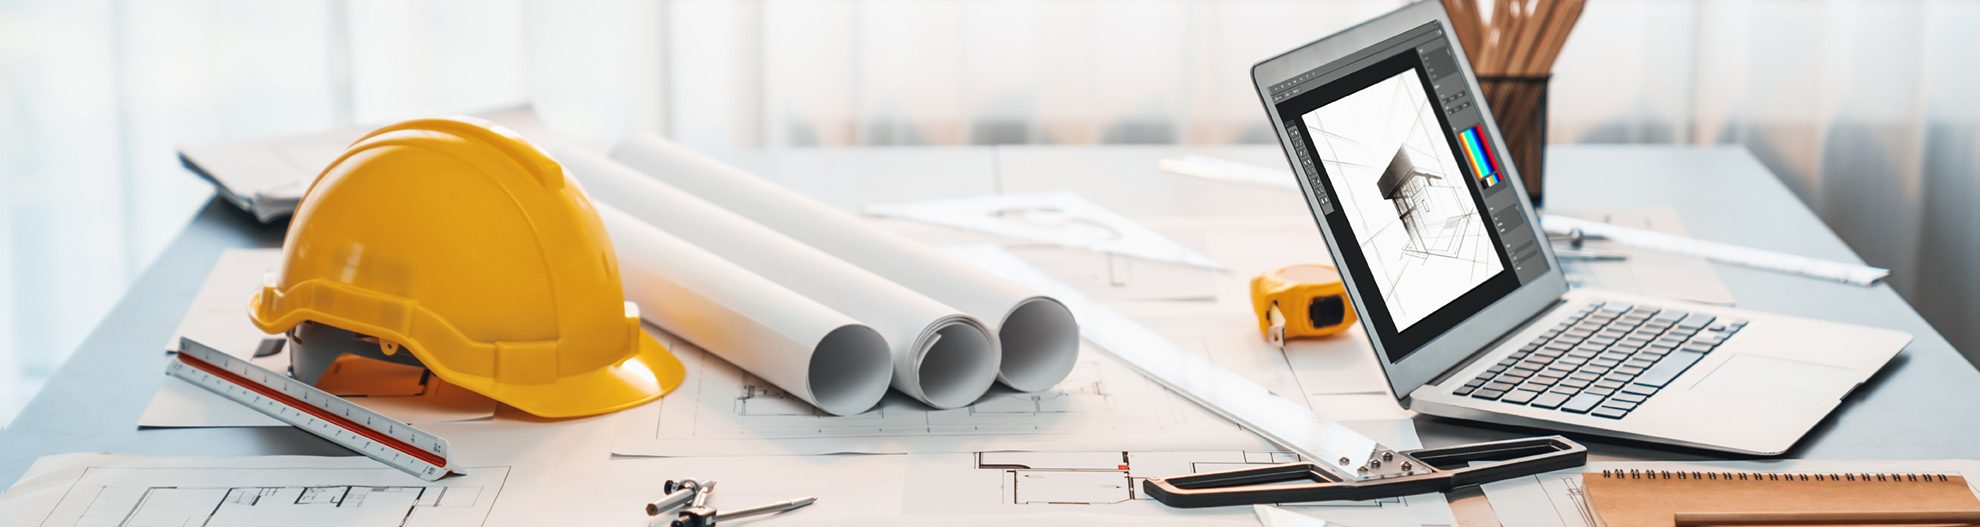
(1479, 152)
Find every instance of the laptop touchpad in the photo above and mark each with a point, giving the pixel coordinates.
(1774, 379)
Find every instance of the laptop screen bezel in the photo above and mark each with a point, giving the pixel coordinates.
(1465, 339)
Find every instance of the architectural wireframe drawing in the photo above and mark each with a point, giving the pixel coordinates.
(1407, 201)
(290, 496)
(1408, 188)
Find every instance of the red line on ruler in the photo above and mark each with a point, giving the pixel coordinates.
(288, 400)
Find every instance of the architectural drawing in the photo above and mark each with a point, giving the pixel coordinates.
(1102, 405)
(339, 505)
(321, 491)
(1104, 478)
(1081, 392)
(1021, 483)
(1433, 211)
(1399, 186)
(722, 410)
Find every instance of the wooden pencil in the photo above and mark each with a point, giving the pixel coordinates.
(1521, 37)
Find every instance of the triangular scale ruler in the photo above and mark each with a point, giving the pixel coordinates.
(291, 401)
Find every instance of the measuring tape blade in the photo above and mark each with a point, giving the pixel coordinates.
(288, 400)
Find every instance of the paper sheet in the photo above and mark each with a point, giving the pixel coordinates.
(1290, 422)
(1039, 337)
(295, 491)
(1650, 273)
(1110, 482)
(1058, 218)
(218, 318)
(724, 411)
(810, 351)
(1849, 273)
(1100, 486)
(1337, 374)
(941, 356)
(1276, 516)
(1100, 275)
(1555, 499)
(1109, 277)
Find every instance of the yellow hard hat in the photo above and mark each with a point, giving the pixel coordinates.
(461, 242)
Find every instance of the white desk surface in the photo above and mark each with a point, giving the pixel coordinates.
(1919, 407)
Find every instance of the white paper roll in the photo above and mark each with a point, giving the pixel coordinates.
(941, 356)
(1039, 337)
(809, 350)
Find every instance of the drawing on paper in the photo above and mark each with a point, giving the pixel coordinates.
(345, 505)
(1081, 392)
(132, 496)
(724, 401)
(1570, 502)
(1106, 478)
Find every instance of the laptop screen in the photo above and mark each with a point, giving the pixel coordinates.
(1411, 186)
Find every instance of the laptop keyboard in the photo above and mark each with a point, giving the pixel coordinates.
(1605, 360)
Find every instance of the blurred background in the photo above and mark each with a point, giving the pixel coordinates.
(1862, 107)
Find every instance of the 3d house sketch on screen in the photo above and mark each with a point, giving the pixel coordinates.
(1404, 194)
(1411, 191)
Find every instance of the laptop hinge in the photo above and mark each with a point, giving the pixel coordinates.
(1439, 379)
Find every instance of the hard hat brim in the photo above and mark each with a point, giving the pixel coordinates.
(637, 380)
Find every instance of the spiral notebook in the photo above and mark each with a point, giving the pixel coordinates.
(1646, 497)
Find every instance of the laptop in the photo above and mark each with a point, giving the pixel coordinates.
(1462, 297)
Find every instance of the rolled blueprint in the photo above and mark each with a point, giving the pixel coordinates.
(1040, 340)
(941, 356)
(809, 350)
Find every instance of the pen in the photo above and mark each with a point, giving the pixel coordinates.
(1585, 254)
(768, 508)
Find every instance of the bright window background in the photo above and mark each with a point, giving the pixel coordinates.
(1861, 106)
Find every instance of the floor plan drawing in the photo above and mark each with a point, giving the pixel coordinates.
(1110, 482)
(338, 505)
(107, 490)
(1101, 478)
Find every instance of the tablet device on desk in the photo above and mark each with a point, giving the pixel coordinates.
(1463, 299)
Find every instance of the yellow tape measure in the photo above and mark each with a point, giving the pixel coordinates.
(1302, 300)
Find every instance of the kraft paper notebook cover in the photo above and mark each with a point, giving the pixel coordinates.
(1632, 498)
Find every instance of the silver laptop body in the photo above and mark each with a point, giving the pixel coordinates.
(1462, 297)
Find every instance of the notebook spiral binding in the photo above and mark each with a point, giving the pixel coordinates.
(1865, 477)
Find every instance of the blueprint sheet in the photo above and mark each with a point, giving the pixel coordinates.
(1555, 499)
(293, 491)
(1102, 405)
(722, 410)
(1092, 487)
